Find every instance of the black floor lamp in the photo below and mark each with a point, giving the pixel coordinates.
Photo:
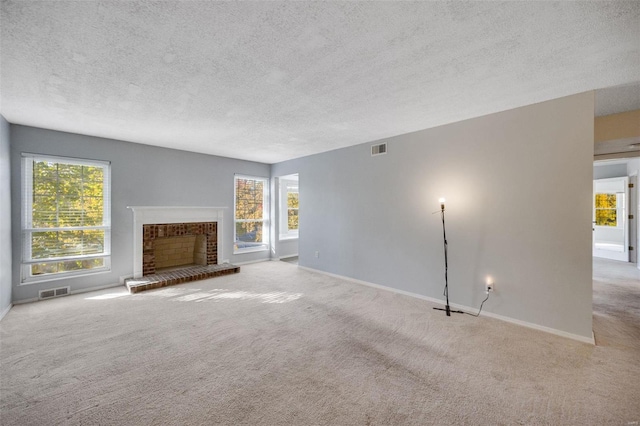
(447, 308)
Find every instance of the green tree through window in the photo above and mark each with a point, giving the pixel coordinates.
(251, 201)
(288, 204)
(292, 210)
(67, 221)
(606, 210)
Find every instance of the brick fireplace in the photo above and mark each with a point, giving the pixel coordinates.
(174, 245)
(170, 245)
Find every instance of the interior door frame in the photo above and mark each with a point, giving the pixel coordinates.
(608, 254)
(634, 232)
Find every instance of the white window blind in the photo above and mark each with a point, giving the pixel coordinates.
(66, 223)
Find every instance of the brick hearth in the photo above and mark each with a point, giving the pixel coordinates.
(179, 276)
(176, 253)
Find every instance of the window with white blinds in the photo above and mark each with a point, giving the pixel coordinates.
(66, 222)
(251, 210)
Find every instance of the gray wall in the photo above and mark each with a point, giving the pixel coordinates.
(633, 166)
(606, 171)
(286, 248)
(518, 186)
(140, 175)
(5, 218)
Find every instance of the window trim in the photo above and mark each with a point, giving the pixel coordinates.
(284, 234)
(265, 214)
(27, 228)
(619, 209)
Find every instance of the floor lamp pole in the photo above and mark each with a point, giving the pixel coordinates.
(447, 308)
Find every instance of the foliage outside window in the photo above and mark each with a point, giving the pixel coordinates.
(606, 210)
(66, 217)
(292, 211)
(251, 228)
(288, 206)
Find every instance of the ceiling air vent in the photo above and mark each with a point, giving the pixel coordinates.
(378, 149)
(54, 292)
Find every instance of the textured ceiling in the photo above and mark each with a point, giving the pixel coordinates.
(613, 100)
(270, 81)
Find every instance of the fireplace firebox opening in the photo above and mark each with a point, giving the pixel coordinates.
(172, 245)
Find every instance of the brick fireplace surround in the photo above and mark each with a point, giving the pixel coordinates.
(153, 226)
(152, 233)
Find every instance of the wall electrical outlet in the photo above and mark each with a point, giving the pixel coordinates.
(489, 284)
(317, 254)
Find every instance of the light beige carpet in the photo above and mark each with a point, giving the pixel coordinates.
(278, 345)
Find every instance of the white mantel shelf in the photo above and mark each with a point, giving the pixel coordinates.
(146, 215)
(171, 207)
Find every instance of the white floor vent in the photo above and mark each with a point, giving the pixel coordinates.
(54, 292)
(378, 149)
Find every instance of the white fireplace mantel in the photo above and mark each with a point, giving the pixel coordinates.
(147, 215)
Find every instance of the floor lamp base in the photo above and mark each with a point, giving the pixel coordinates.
(448, 310)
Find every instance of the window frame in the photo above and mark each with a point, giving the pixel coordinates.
(27, 228)
(283, 191)
(619, 209)
(264, 246)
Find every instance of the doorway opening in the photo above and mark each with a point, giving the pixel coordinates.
(615, 209)
(610, 218)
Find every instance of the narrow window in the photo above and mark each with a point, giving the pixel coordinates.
(251, 230)
(289, 204)
(66, 223)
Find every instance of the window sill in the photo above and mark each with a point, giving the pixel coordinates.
(250, 250)
(49, 278)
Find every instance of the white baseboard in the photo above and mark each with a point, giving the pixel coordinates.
(6, 311)
(251, 261)
(550, 330)
(23, 301)
(87, 290)
(591, 340)
(84, 290)
(289, 256)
